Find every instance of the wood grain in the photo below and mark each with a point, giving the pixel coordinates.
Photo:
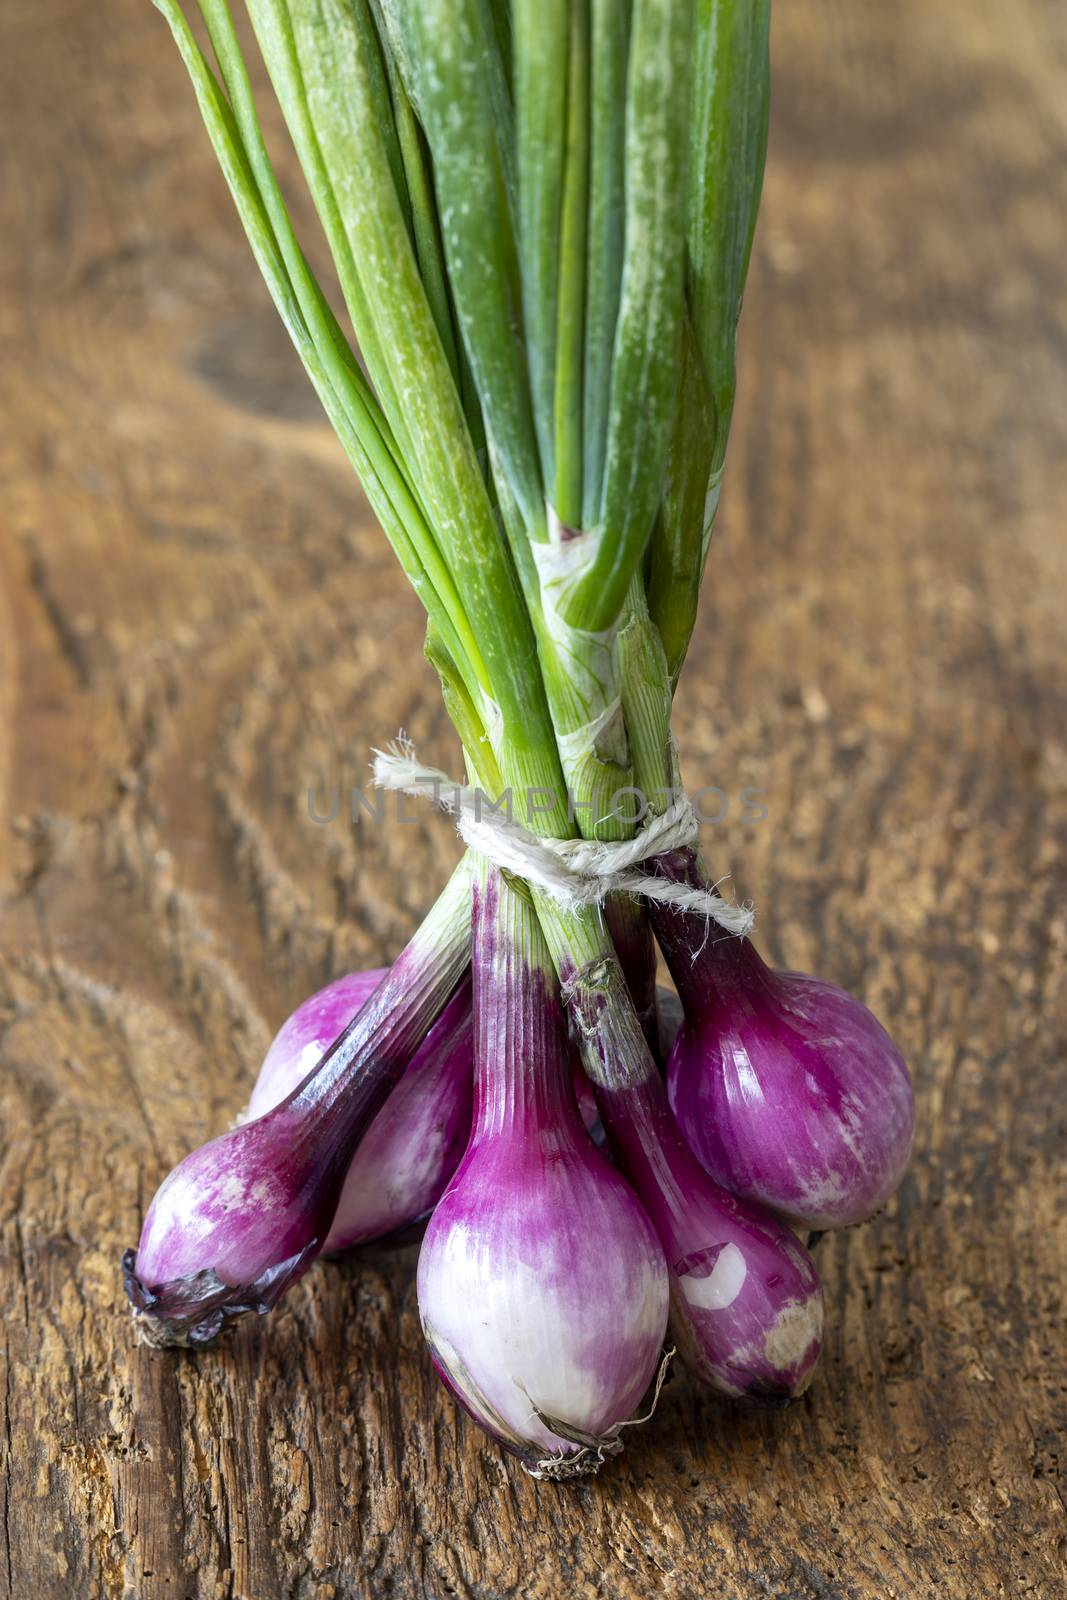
(198, 621)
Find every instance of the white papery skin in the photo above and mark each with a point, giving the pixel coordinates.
(542, 1286)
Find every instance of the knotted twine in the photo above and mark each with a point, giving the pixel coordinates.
(575, 872)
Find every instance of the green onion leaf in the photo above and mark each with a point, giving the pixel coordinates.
(644, 374)
(455, 63)
(566, 479)
(610, 39)
(731, 102)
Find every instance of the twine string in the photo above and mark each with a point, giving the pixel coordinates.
(575, 872)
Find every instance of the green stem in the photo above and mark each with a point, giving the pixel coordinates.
(329, 52)
(570, 336)
(541, 45)
(613, 1045)
(425, 231)
(647, 335)
(463, 713)
(610, 37)
(680, 540)
(728, 148)
(330, 364)
(275, 34)
(462, 96)
(646, 703)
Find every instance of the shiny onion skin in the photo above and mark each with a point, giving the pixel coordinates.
(746, 1302)
(232, 1227)
(542, 1287)
(410, 1151)
(241, 1218)
(305, 1036)
(788, 1089)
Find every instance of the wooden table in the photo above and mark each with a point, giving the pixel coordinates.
(198, 621)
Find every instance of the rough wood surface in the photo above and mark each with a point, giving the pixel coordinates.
(198, 620)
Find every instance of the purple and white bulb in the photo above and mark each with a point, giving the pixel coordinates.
(746, 1302)
(406, 1157)
(306, 1035)
(234, 1225)
(789, 1091)
(241, 1218)
(542, 1286)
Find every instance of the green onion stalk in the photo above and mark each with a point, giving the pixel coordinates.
(540, 218)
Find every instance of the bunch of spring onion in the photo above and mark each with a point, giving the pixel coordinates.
(540, 215)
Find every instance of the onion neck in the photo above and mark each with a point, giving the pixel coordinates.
(649, 1146)
(520, 1045)
(713, 970)
(635, 947)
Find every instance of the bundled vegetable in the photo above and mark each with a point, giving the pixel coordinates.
(542, 1285)
(408, 1153)
(540, 218)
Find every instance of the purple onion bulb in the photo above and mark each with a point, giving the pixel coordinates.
(411, 1149)
(306, 1035)
(746, 1303)
(542, 1286)
(242, 1217)
(231, 1227)
(790, 1091)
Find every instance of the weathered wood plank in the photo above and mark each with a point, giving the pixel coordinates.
(198, 620)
